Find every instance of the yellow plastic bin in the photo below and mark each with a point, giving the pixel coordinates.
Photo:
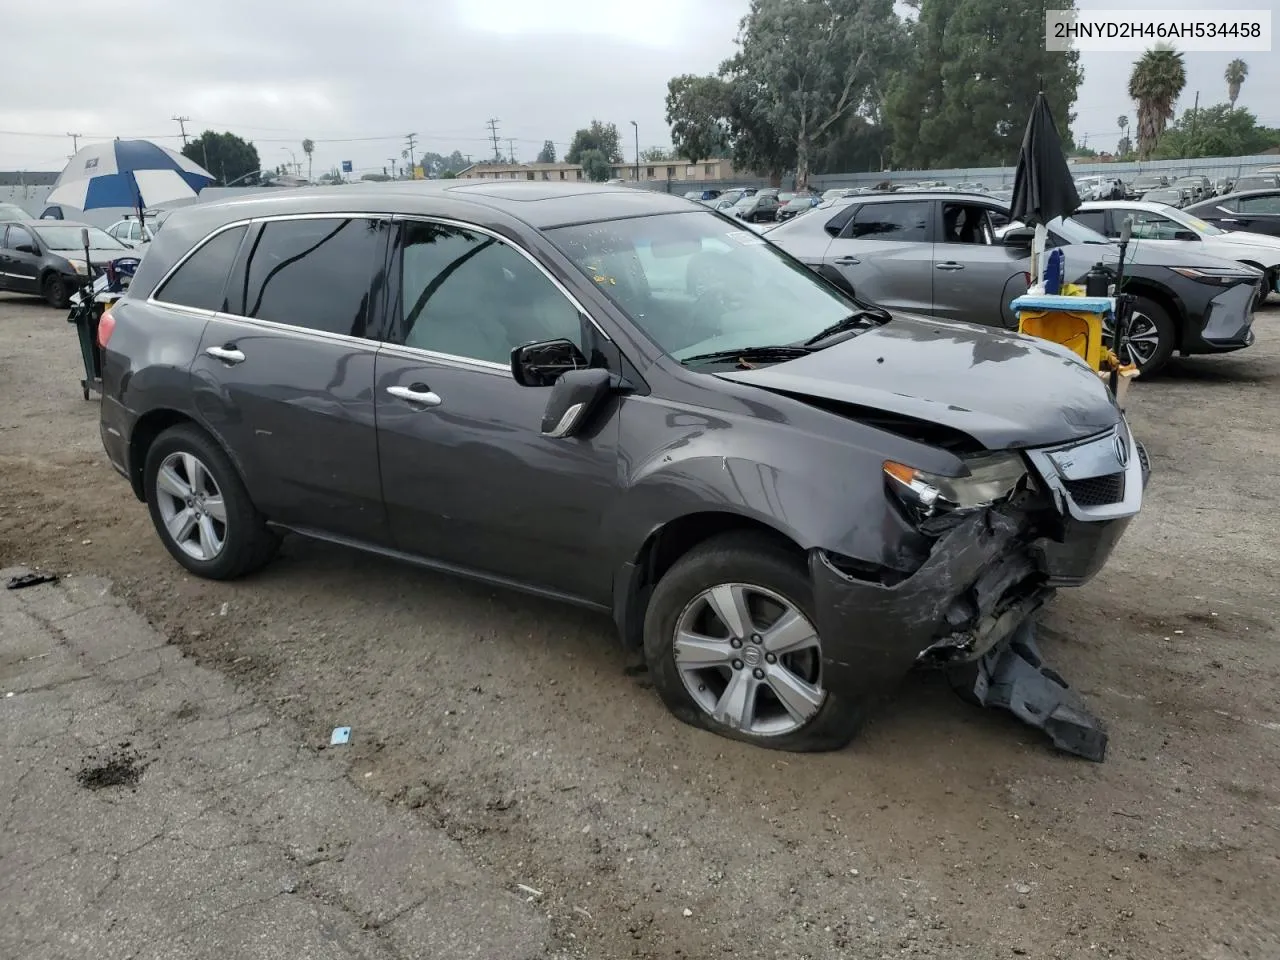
(1075, 322)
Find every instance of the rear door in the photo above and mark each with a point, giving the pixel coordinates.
(285, 372)
(885, 252)
(974, 274)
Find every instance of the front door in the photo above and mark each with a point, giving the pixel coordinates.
(468, 478)
(285, 372)
(21, 263)
(886, 253)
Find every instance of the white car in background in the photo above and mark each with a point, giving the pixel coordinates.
(1155, 223)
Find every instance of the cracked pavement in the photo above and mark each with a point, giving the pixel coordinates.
(237, 840)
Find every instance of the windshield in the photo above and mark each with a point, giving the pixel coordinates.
(68, 238)
(10, 211)
(1194, 223)
(695, 285)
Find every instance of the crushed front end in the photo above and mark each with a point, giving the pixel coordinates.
(982, 569)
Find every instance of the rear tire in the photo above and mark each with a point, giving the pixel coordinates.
(56, 291)
(736, 564)
(201, 509)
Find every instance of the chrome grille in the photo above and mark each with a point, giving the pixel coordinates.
(1097, 491)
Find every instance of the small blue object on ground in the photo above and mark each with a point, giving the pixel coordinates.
(340, 735)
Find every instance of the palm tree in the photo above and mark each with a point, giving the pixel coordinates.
(1237, 70)
(1155, 84)
(308, 147)
(1122, 122)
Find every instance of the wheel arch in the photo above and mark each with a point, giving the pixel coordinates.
(155, 422)
(634, 582)
(1166, 301)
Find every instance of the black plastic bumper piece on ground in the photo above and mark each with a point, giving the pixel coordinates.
(1014, 676)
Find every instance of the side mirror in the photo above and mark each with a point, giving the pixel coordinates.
(575, 396)
(1185, 235)
(27, 248)
(541, 364)
(1020, 237)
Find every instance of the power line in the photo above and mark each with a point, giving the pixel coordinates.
(182, 125)
(493, 135)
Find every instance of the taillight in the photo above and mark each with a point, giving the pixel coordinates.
(105, 327)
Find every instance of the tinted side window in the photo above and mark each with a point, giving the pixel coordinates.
(202, 278)
(465, 294)
(966, 223)
(18, 236)
(315, 273)
(1095, 220)
(892, 221)
(1269, 204)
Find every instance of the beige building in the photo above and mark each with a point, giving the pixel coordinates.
(673, 170)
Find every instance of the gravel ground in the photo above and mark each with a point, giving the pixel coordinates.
(943, 831)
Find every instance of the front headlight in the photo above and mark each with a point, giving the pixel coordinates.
(79, 266)
(1219, 276)
(990, 478)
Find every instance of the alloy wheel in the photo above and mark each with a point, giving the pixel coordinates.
(1141, 343)
(191, 506)
(750, 659)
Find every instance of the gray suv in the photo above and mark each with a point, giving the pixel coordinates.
(784, 497)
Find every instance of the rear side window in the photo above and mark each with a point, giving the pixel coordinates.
(1263, 204)
(315, 273)
(202, 279)
(892, 221)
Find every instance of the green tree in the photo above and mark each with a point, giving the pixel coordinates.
(1236, 72)
(595, 165)
(1217, 131)
(1155, 85)
(225, 156)
(966, 88)
(660, 155)
(548, 152)
(599, 136)
(449, 175)
(308, 147)
(697, 112)
(803, 67)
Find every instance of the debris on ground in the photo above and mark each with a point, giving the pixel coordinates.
(340, 735)
(21, 580)
(121, 768)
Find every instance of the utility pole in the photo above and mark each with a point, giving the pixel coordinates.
(182, 125)
(393, 167)
(412, 139)
(511, 149)
(75, 142)
(493, 135)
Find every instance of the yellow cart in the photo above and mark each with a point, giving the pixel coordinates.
(1078, 323)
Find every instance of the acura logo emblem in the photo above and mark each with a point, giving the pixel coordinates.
(1122, 450)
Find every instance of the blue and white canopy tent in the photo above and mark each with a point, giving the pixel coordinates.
(127, 173)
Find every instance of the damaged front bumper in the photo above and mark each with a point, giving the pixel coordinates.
(985, 577)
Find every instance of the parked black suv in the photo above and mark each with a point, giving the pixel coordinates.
(785, 497)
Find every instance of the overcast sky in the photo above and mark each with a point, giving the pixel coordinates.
(275, 71)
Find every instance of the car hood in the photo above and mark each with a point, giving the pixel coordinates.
(96, 256)
(1165, 253)
(1243, 238)
(1005, 390)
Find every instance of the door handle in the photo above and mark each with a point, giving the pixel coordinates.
(419, 393)
(848, 261)
(228, 354)
(950, 265)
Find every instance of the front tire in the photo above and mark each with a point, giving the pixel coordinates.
(1151, 337)
(56, 291)
(731, 648)
(201, 509)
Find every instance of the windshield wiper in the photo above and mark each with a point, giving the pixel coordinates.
(764, 354)
(854, 321)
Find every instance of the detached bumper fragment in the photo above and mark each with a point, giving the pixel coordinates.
(1014, 677)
